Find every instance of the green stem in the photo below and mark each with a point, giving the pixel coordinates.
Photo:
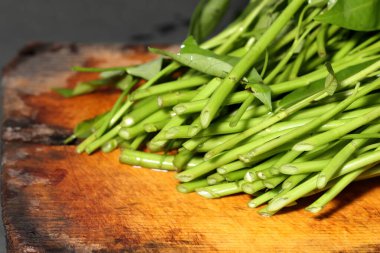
(370, 173)
(150, 160)
(182, 158)
(367, 148)
(366, 159)
(223, 127)
(219, 190)
(272, 182)
(265, 123)
(194, 143)
(288, 157)
(348, 46)
(334, 191)
(251, 174)
(251, 57)
(358, 76)
(123, 109)
(321, 41)
(148, 107)
(215, 178)
(97, 143)
(155, 126)
(315, 123)
(169, 69)
(263, 198)
(303, 167)
(230, 167)
(215, 162)
(297, 65)
(294, 33)
(136, 143)
(131, 132)
(164, 72)
(185, 131)
(111, 145)
(321, 109)
(280, 66)
(82, 146)
(242, 109)
(366, 43)
(168, 87)
(191, 186)
(292, 181)
(116, 106)
(157, 142)
(361, 136)
(363, 161)
(211, 143)
(265, 212)
(342, 156)
(281, 201)
(198, 105)
(253, 187)
(97, 122)
(173, 98)
(316, 75)
(235, 175)
(336, 133)
(228, 44)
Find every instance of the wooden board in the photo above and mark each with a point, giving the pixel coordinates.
(55, 200)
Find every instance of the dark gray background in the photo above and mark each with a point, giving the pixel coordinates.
(125, 21)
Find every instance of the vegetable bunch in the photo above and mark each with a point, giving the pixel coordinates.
(282, 103)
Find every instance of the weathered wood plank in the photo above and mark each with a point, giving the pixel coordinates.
(55, 200)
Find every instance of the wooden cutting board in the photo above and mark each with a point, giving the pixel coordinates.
(55, 200)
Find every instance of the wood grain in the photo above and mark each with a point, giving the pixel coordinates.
(55, 200)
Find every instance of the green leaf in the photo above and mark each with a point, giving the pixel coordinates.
(80, 89)
(111, 74)
(147, 70)
(206, 17)
(85, 87)
(190, 46)
(125, 83)
(101, 82)
(265, 21)
(331, 82)
(254, 76)
(203, 60)
(354, 15)
(261, 92)
(86, 127)
(65, 92)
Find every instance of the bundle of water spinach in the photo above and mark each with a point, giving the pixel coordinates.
(281, 104)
